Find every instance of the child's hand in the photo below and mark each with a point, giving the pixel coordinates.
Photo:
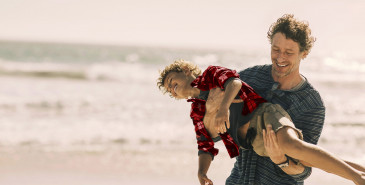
(221, 120)
(204, 180)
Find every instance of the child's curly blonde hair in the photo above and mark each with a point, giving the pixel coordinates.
(177, 66)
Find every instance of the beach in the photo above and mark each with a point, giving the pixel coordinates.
(98, 118)
(123, 168)
(28, 165)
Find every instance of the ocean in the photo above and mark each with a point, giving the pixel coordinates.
(102, 102)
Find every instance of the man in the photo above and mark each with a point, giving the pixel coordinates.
(281, 83)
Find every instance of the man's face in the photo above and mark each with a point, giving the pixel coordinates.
(285, 56)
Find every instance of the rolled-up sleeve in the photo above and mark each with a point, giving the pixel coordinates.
(202, 138)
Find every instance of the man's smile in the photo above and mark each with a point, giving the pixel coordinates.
(281, 65)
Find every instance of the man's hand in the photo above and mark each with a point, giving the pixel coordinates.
(275, 153)
(204, 180)
(271, 145)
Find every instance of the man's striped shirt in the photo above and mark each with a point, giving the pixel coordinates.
(306, 108)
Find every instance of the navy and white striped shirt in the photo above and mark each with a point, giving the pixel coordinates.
(307, 111)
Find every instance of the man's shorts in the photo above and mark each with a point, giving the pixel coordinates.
(268, 113)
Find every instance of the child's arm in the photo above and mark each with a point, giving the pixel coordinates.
(222, 117)
(356, 166)
(204, 162)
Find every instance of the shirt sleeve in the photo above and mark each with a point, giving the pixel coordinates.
(311, 123)
(203, 138)
(313, 120)
(297, 177)
(229, 80)
(214, 76)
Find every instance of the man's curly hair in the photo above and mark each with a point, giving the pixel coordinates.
(294, 29)
(177, 66)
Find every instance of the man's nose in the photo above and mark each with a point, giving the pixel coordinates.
(280, 57)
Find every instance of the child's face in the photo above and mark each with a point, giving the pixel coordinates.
(178, 85)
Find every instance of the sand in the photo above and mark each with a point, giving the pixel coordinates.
(162, 165)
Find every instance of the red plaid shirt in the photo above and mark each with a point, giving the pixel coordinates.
(212, 77)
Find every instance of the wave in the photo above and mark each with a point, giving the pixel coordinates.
(104, 62)
(109, 71)
(46, 74)
(343, 124)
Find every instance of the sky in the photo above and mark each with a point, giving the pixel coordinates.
(338, 25)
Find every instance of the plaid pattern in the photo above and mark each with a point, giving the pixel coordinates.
(197, 114)
(212, 77)
(250, 97)
(216, 76)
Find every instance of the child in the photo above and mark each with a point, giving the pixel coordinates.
(244, 121)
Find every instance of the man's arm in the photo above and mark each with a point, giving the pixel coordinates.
(276, 155)
(213, 103)
(315, 118)
(204, 162)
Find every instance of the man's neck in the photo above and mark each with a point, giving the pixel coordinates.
(288, 82)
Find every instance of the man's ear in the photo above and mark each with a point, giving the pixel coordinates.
(305, 54)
